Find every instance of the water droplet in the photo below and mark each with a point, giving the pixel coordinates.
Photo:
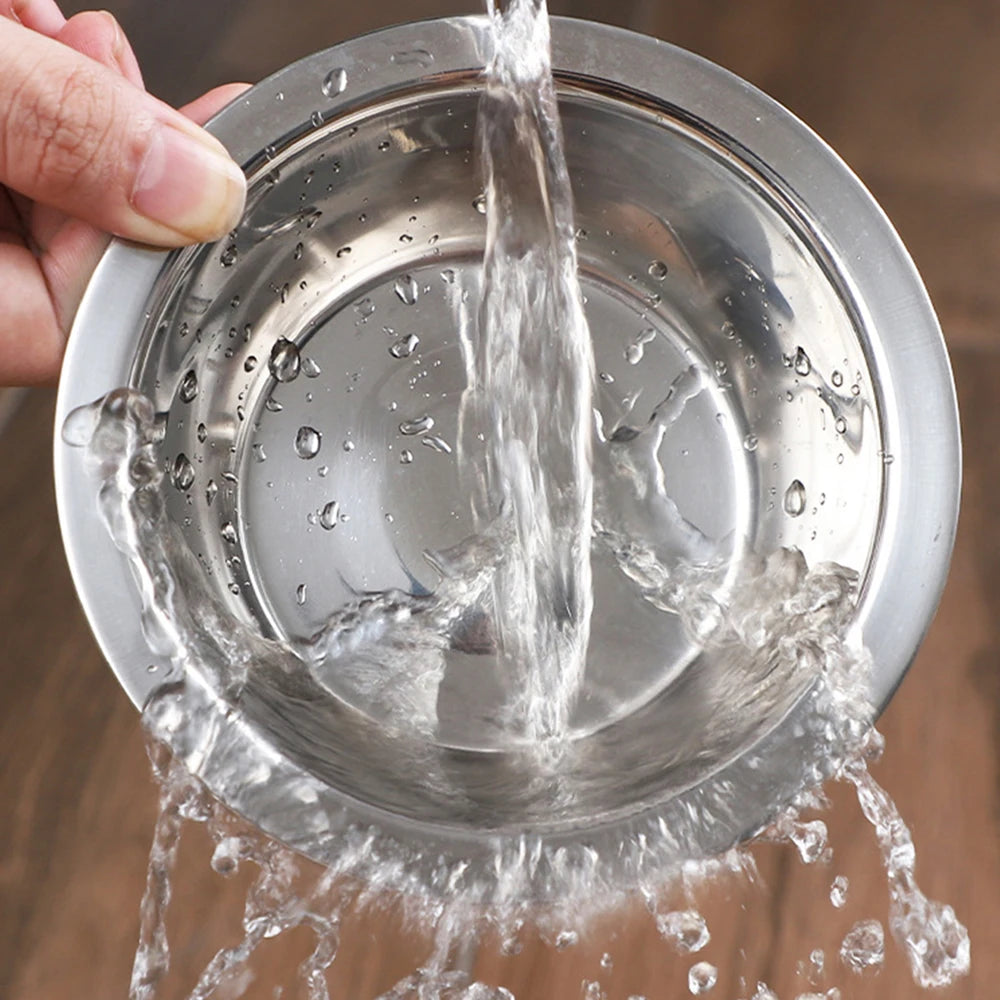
(606, 377)
(348, 445)
(297, 253)
(384, 145)
(307, 442)
(365, 307)
(335, 82)
(837, 379)
(479, 203)
(685, 929)
(343, 252)
(702, 977)
(210, 490)
(721, 368)
(323, 471)
(418, 425)
(285, 362)
(226, 856)
(184, 329)
(228, 533)
(750, 442)
(405, 238)
(316, 118)
(300, 594)
(310, 369)
(405, 346)
(407, 290)
(810, 839)
(817, 961)
(182, 474)
(840, 425)
(258, 452)
(607, 963)
(764, 992)
(188, 387)
(566, 939)
(405, 457)
(657, 269)
(437, 444)
(801, 362)
(329, 515)
(795, 498)
(863, 947)
(412, 57)
(229, 256)
(633, 353)
(272, 405)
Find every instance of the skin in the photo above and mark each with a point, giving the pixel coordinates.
(85, 152)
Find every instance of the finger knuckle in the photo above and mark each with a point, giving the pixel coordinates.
(71, 120)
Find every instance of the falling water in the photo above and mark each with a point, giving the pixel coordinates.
(530, 372)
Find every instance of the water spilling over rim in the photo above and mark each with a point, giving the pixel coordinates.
(898, 336)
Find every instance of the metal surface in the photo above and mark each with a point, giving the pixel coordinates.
(782, 276)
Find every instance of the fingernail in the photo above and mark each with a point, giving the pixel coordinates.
(187, 184)
(43, 16)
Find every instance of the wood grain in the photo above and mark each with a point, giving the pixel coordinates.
(906, 91)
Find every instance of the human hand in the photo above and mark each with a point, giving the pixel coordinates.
(85, 151)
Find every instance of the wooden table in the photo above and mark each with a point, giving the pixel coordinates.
(907, 92)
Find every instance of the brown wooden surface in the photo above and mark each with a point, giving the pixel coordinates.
(906, 90)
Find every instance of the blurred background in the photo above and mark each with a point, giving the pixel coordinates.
(906, 91)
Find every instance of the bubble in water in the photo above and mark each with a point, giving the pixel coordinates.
(405, 346)
(310, 369)
(657, 269)
(182, 473)
(795, 499)
(801, 363)
(228, 533)
(702, 977)
(307, 442)
(685, 929)
(437, 444)
(418, 425)
(838, 891)
(329, 515)
(335, 82)
(189, 387)
(407, 290)
(285, 362)
(863, 947)
(300, 594)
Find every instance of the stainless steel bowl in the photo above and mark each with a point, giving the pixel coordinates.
(709, 215)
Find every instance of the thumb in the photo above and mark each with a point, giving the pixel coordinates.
(76, 136)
